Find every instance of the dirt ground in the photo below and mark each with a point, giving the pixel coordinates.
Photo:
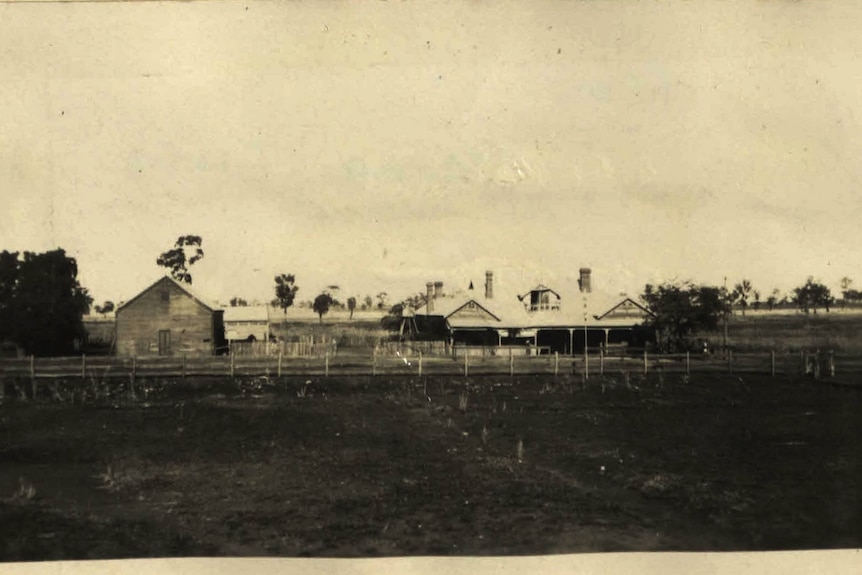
(443, 466)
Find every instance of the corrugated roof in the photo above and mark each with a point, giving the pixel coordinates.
(575, 306)
(255, 313)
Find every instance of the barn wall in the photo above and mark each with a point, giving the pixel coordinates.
(190, 324)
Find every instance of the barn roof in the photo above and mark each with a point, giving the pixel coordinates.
(184, 287)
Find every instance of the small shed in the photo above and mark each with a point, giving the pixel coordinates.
(247, 323)
(168, 319)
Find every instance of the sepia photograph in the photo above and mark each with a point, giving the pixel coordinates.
(446, 286)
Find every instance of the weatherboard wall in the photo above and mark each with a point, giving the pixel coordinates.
(165, 307)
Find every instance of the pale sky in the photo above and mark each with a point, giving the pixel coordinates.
(380, 145)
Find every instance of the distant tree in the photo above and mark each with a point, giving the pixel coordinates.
(381, 300)
(351, 305)
(773, 299)
(741, 293)
(681, 310)
(105, 308)
(321, 305)
(185, 253)
(42, 302)
(756, 300)
(285, 291)
(812, 295)
(238, 302)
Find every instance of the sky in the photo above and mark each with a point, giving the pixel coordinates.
(380, 145)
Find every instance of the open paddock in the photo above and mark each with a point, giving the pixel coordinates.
(436, 465)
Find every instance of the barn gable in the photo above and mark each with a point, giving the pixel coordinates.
(167, 318)
(626, 309)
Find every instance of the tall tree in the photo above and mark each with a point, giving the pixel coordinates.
(741, 293)
(186, 252)
(321, 305)
(285, 291)
(42, 302)
(351, 305)
(812, 295)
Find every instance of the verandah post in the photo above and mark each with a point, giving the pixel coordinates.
(511, 363)
(279, 363)
(646, 362)
(466, 363)
(420, 364)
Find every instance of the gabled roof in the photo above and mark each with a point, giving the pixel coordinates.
(184, 287)
(624, 302)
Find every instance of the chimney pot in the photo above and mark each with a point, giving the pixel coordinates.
(438, 289)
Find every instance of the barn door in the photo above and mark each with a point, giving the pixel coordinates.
(164, 342)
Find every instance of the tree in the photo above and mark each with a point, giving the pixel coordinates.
(773, 299)
(321, 305)
(678, 311)
(238, 302)
(285, 291)
(367, 302)
(105, 308)
(812, 295)
(186, 252)
(42, 302)
(741, 293)
(381, 300)
(351, 305)
(756, 300)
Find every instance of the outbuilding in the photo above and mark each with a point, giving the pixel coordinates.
(168, 319)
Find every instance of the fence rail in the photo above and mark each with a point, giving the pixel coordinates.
(409, 361)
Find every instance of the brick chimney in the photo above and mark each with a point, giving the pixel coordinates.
(584, 280)
(489, 285)
(429, 297)
(438, 289)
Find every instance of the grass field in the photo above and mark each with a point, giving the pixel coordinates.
(443, 466)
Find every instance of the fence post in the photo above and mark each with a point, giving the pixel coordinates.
(556, 363)
(646, 362)
(374, 361)
(132, 379)
(730, 361)
(601, 361)
(83, 366)
(831, 364)
(511, 363)
(420, 364)
(231, 364)
(772, 361)
(184, 366)
(688, 363)
(586, 360)
(326, 364)
(802, 358)
(33, 375)
(279, 363)
(466, 364)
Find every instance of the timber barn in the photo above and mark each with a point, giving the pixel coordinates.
(168, 319)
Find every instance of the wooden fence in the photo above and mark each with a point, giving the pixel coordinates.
(410, 363)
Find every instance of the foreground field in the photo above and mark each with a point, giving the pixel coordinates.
(364, 467)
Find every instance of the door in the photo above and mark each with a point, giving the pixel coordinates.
(165, 342)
